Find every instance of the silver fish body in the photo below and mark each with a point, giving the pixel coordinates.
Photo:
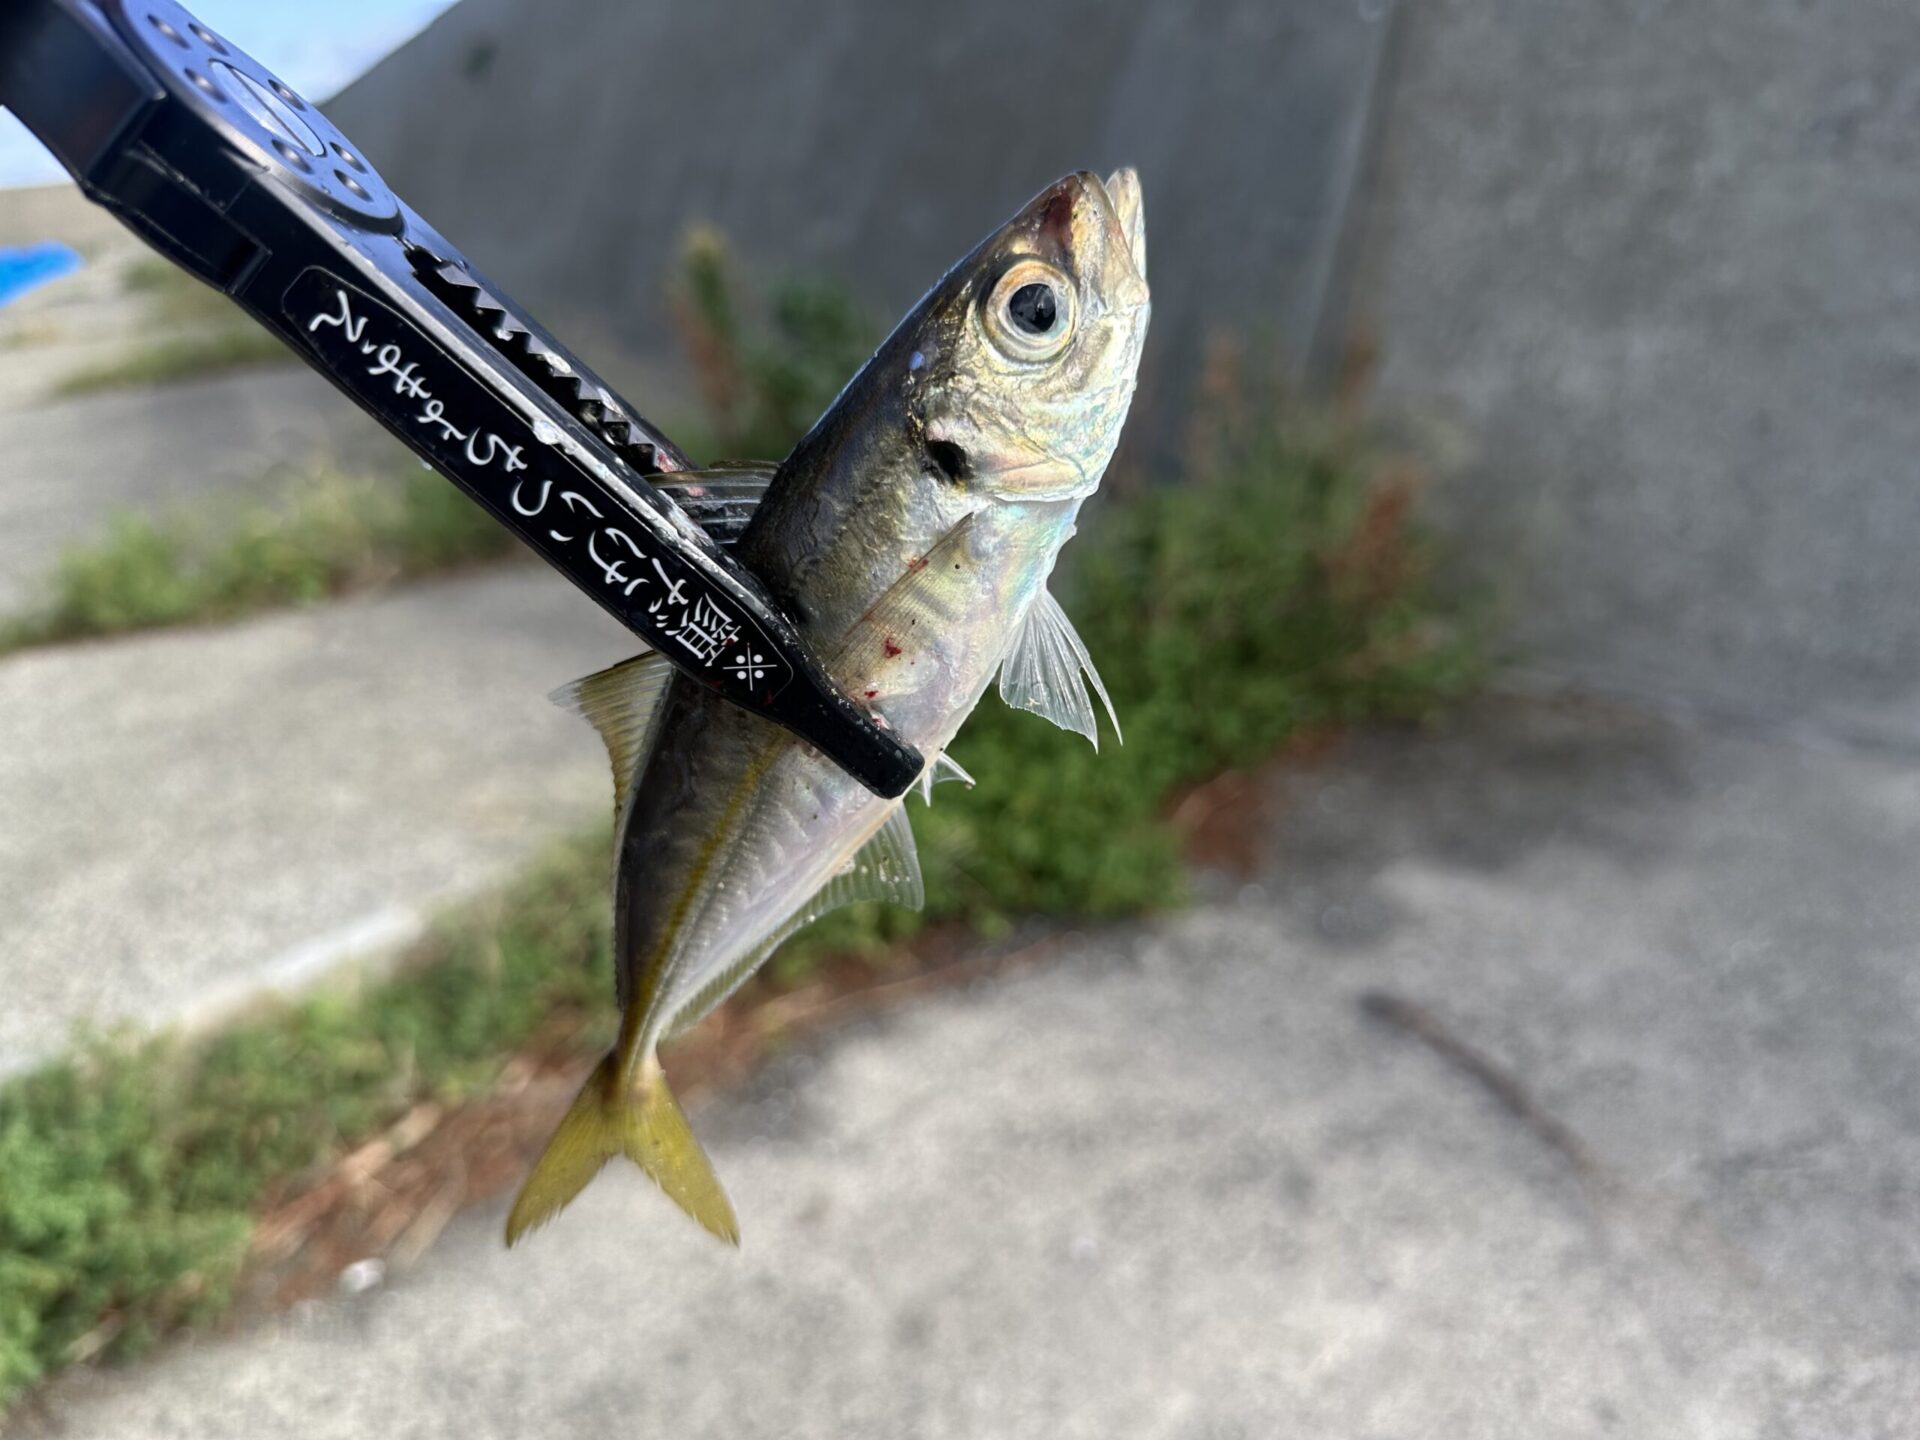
(911, 535)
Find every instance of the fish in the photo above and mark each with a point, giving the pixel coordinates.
(911, 534)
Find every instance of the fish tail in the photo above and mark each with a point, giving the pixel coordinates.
(642, 1122)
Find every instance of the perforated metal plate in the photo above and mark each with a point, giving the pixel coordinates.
(260, 112)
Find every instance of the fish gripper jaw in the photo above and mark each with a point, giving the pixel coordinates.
(218, 164)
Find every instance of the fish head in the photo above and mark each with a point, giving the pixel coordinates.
(1021, 363)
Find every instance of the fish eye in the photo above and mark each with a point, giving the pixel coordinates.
(1032, 308)
(1029, 312)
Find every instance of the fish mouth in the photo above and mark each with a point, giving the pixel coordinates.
(1107, 218)
(1122, 191)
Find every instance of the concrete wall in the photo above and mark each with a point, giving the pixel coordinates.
(1651, 273)
(1644, 273)
(567, 144)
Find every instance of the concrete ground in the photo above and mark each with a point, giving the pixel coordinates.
(1635, 1151)
(72, 465)
(193, 818)
(196, 816)
(68, 466)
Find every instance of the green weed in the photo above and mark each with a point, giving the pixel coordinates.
(129, 1174)
(330, 533)
(202, 333)
(181, 357)
(767, 370)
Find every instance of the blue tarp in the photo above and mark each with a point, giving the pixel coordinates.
(23, 267)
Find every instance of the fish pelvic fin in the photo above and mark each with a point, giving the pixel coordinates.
(642, 1122)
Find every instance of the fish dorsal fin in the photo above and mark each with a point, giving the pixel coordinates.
(1043, 671)
(886, 868)
(622, 703)
(720, 499)
(944, 767)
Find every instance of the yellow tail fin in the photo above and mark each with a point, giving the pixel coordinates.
(644, 1124)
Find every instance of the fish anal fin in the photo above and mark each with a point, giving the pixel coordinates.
(622, 703)
(1044, 672)
(886, 868)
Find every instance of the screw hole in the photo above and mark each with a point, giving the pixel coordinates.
(167, 30)
(207, 86)
(207, 38)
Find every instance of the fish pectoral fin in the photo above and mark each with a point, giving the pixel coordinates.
(912, 611)
(720, 499)
(1043, 672)
(646, 1126)
(622, 703)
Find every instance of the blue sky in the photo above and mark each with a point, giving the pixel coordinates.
(316, 48)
